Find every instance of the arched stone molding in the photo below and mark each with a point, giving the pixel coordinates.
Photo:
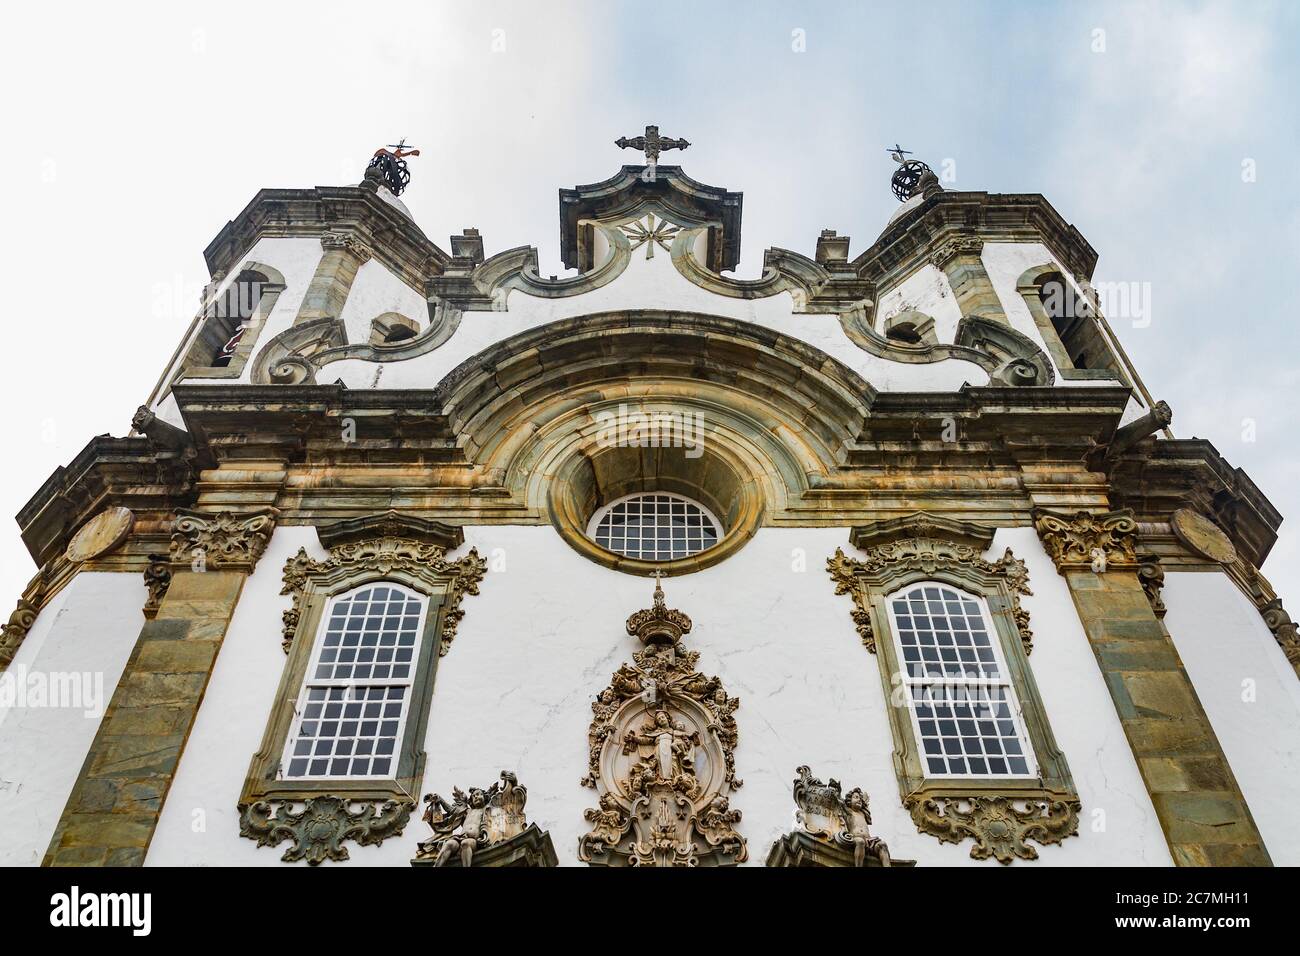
(567, 416)
(1029, 289)
(1020, 360)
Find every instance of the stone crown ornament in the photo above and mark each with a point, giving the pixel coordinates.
(659, 624)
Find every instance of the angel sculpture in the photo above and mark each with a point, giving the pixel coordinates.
(460, 826)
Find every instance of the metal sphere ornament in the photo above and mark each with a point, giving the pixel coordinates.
(907, 177)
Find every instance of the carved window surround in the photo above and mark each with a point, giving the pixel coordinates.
(389, 547)
(999, 814)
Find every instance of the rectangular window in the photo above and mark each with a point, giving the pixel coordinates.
(963, 705)
(352, 709)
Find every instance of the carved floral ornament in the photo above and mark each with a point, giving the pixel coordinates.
(1086, 541)
(392, 549)
(928, 555)
(1000, 825)
(220, 540)
(662, 756)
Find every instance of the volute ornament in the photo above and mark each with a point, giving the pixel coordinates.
(661, 753)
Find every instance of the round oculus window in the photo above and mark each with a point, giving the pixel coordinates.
(655, 526)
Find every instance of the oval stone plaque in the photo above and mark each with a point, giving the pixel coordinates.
(101, 534)
(1202, 535)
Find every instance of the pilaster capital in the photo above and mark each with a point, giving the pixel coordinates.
(225, 540)
(1085, 540)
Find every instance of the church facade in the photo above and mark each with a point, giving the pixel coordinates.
(418, 557)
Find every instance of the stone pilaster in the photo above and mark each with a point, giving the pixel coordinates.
(960, 260)
(114, 806)
(1201, 809)
(329, 287)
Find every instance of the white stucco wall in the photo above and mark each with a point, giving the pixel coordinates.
(546, 634)
(1250, 694)
(81, 640)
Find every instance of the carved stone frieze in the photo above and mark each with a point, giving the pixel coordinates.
(483, 828)
(157, 578)
(840, 822)
(999, 825)
(380, 545)
(317, 831)
(662, 755)
(221, 540)
(1084, 540)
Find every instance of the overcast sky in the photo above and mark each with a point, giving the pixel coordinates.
(1166, 132)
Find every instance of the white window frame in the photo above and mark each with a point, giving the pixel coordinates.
(310, 681)
(1005, 681)
(601, 512)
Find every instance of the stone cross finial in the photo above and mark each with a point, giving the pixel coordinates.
(651, 144)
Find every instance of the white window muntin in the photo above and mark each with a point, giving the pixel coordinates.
(940, 678)
(686, 521)
(331, 684)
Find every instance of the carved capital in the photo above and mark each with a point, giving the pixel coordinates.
(1283, 628)
(1087, 541)
(318, 830)
(346, 242)
(956, 246)
(1001, 826)
(225, 541)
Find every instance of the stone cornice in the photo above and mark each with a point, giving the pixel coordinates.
(128, 472)
(1168, 474)
(946, 217)
(369, 222)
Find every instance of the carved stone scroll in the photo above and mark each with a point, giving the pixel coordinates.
(661, 754)
(318, 830)
(1001, 826)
